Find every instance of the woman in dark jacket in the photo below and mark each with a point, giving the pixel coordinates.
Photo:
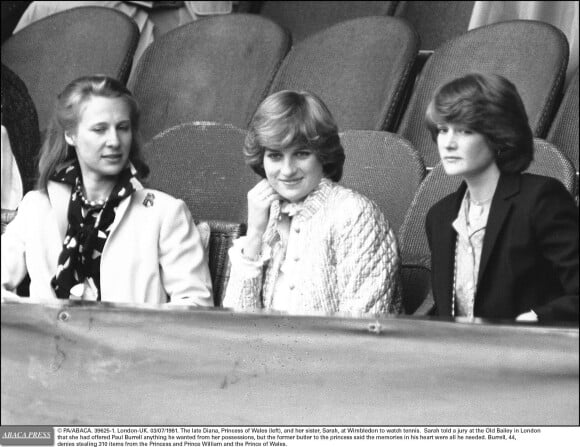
(505, 245)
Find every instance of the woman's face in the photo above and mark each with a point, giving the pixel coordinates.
(463, 151)
(103, 137)
(293, 172)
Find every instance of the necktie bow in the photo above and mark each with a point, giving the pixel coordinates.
(291, 209)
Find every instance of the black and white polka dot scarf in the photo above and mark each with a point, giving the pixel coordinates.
(88, 229)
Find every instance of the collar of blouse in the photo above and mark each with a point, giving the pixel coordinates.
(313, 202)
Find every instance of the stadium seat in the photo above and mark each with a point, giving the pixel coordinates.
(50, 53)
(216, 69)
(385, 168)
(533, 55)
(202, 163)
(564, 129)
(303, 19)
(359, 68)
(222, 236)
(21, 122)
(436, 21)
(550, 161)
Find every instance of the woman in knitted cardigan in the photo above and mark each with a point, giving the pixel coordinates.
(313, 246)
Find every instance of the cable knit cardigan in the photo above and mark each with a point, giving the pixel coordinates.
(342, 255)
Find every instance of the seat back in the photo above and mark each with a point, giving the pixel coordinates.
(202, 163)
(436, 21)
(303, 19)
(415, 253)
(551, 162)
(50, 53)
(412, 237)
(359, 68)
(385, 168)
(533, 55)
(21, 122)
(216, 69)
(222, 236)
(564, 129)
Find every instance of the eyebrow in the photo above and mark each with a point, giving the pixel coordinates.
(106, 123)
(291, 149)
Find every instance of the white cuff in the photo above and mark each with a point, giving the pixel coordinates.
(247, 267)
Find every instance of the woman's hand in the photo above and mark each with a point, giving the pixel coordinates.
(529, 317)
(260, 197)
(11, 297)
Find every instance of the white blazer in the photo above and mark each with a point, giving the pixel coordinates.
(154, 253)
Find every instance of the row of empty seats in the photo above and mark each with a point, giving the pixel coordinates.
(220, 68)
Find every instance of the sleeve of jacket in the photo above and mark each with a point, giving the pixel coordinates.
(368, 262)
(244, 289)
(428, 225)
(433, 310)
(555, 223)
(182, 258)
(14, 246)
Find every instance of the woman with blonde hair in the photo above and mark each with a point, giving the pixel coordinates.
(92, 231)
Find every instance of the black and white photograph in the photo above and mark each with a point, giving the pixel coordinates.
(289, 223)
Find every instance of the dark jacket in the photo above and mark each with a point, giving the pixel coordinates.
(529, 259)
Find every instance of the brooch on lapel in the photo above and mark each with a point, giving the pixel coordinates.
(149, 198)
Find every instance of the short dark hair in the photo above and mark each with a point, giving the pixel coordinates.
(290, 118)
(490, 105)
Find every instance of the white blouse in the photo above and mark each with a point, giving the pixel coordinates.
(470, 226)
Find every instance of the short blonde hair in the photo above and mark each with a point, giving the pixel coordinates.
(295, 118)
